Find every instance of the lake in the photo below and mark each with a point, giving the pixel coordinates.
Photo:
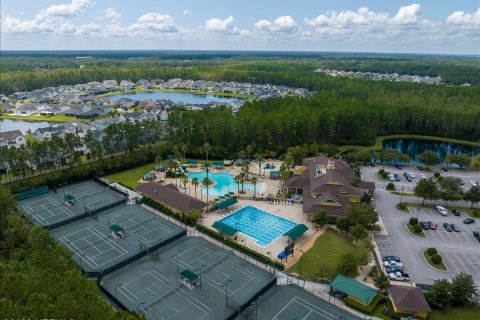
(22, 125)
(413, 147)
(177, 97)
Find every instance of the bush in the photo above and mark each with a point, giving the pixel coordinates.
(431, 251)
(390, 186)
(373, 272)
(363, 308)
(381, 172)
(476, 213)
(402, 206)
(416, 228)
(440, 179)
(436, 174)
(413, 221)
(436, 259)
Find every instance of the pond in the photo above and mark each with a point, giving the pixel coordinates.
(22, 125)
(413, 147)
(177, 97)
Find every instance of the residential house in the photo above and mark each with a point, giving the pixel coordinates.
(26, 110)
(409, 302)
(171, 197)
(127, 85)
(49, 133)
(145, 84)
(326, 183)
(14, 139)
(133, 117)
(147, 104)
(161, 115)
(125, 103)
(102, 124)
(19, 95)
(77, 128)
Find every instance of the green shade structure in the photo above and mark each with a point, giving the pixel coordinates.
(226, 195)
(221, 197)
(231, 192)
(191, 161)
(296, 231)
(226, 203)
(354, 289)
(216, 199)
(224, 228)
(189, 275)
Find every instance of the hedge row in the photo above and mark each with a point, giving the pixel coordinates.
(363, 308)
(184, 218)
(231, 243)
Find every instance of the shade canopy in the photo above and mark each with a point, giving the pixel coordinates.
(189, 275)
(226, 203)
(224, 228)
(296, 231)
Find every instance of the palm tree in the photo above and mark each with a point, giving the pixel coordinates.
(195, 183)
(206, 182)
(259, 159)
(243, 178)
(237, 179)
(254, 181)
(184, 179)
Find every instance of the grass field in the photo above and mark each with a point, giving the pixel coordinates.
(132, 176)
(55, 118)
(465, 313)
(379, 141)
(220, 94)
(321, 261)
(469, 211)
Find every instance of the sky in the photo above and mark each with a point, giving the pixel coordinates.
(430, 26)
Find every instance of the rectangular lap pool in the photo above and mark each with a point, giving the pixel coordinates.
(258, 224)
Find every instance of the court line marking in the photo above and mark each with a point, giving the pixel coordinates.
(307, 305)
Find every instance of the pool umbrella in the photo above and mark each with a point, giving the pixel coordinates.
(216, 199)
(226, 195)
(222, 197)
(231, 192)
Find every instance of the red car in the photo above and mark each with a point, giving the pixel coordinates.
(432, 226)
(445, 169)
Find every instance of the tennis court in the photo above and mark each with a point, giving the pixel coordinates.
(289, 302)
(154, 286)
(99, 248)
(66, 203)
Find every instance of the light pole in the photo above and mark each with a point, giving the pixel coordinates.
(256, 306)
(200, 268)
(116, 289)
(225, 284)
(270, 260)
(401, 194)
(301, 264)
(80, 256)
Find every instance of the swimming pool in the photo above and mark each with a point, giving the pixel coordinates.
(258, 224)
(224, 183)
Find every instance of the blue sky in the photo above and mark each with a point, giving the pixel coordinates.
(440, 26)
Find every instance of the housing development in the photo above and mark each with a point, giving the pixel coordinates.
(216, 161)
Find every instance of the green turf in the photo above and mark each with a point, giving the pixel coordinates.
(465, 313)
(132, 176)
(440, 266)
(379, 141)
(56, 118)
(321, 261)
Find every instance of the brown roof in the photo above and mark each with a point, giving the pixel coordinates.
(170, 196)
(408, 298)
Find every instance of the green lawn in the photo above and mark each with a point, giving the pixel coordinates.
(465, 313)
(379, 141)
(132, 176)
(469, 211)
(322, 259)
(440, 266)
(56, 118)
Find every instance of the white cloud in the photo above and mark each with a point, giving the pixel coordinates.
(462, 18)
(215, 24)
(408, 14)
(187, 12)
(154, 22)
(281, 24)
(112, 14)
(64, 10)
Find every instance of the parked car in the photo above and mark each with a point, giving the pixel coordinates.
(424, 225)
(372, 164)
(407, 177)
(454, 227)
(412, 175)
(447, 227)
(432, 226)
(393, 269)
(423, 176)
(456, 212)
(476, 234)
(391, 258)
(397, 177)
(444, 169)
(399, 276)
(391, 177)
(392, 263)
(442, 210)
(468, 221)
(473, 183)
(420, 168)
(399, 166)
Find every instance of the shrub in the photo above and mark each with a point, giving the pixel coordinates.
(440, 179)
(381, 172)
(402, 206)
(373, 272)
(436, 259)
(413, 221)
(390, 186)
(476, 213)
(431, 251)
(417, 229)
(363, 308)
(436, 174)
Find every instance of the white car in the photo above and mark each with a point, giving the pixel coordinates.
(423, 176)
(442, 210)
(392, 263)
(473, 183)
(391, 176)
(412, 175)
(399, 276)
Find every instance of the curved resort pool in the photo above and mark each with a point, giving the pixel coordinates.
(224, 183)
(258, 224)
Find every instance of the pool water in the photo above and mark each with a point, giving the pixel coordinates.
(261, 225)
(225, 183)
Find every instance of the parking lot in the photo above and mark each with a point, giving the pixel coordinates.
(460, 250)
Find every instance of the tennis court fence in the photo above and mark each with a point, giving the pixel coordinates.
(105, 183)
(91, 212)
(32, 193)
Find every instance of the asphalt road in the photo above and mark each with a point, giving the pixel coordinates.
(460, 251)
